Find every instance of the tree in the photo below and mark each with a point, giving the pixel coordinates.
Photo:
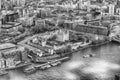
(85, 18)
(95, 14)
(99, 1)
(21, 29)
(38, 29)
(112, 18)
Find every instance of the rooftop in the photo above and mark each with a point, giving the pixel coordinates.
(6, 46)
(14, 50)
(10, 25)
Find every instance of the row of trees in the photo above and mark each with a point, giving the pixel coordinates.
(42, 28)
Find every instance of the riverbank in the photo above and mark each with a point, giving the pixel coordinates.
(103, 66)
(88, 46)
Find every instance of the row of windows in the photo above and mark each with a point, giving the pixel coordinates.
(115, 17)
(99, 31)
(88, 29)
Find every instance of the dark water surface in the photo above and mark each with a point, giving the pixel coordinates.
(104, 65)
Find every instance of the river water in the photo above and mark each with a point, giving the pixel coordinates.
(104, 65)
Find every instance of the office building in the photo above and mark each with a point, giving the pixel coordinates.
(111, 9)
(0, 4)
(39, 22)
(80, 4)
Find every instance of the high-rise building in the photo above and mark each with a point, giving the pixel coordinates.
(0, 22)
(111, 9)
(24, 12)
(0, 4)
(80, 4)
(18, 2)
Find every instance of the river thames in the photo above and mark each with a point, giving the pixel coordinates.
(103, 66)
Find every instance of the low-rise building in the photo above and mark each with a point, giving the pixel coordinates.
(96, 22)
(10, 63)
(39, 22)
(86, 28)
(11, 17)
(26, 21)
